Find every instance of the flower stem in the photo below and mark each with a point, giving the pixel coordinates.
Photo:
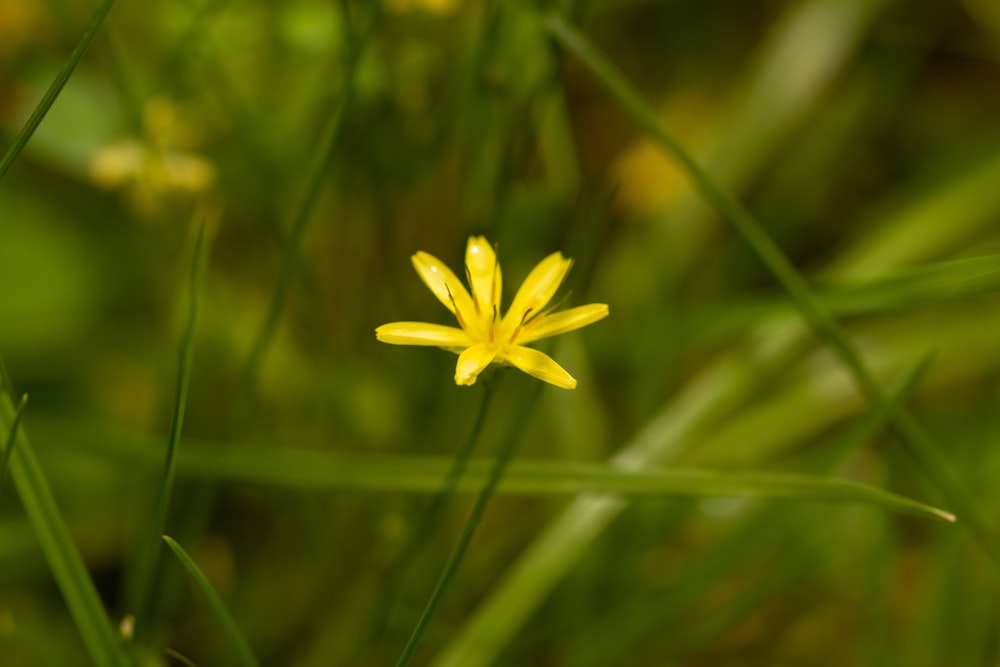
(394, 571)
(506, 453)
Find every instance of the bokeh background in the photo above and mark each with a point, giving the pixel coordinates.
(863, 134)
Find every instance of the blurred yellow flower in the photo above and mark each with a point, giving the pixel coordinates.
(157, 165)
(130, 161)
(485, 337)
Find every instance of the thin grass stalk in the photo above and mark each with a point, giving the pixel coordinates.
(429, 517)
(198, 509)
(68, 569)
(43, 106)
(918, 443)
(245, 654)
(504, 456)
(320, 166)
(149, 550)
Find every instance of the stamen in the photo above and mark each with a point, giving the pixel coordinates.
(472, 288)
(520, 325)
(493, 323)
(458, 313)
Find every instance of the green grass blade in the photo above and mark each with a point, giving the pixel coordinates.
(315, 177)
(285, 467)
(43, 106)
(8, 448)
(64, 560)
(493, 478)
(917, 441)
(246, 657)
(933, 283)
(911, 230)
(148, 560)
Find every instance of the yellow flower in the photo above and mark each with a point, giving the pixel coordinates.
(485, 337)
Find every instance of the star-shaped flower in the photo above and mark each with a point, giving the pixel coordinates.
(485, 337)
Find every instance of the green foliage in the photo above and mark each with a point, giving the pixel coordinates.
(790, 208)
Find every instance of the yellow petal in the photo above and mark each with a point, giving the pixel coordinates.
(484, 274)
(472, 362)
(561, 322)
(446, 287)
(540, 365)
(537, 289)
(422, 333)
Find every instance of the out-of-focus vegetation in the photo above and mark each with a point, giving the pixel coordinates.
(670, 510)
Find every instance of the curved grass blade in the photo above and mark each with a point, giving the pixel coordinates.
(142, 576)
(918, 443)
(67, 567)
(246, 657)
(43, 106)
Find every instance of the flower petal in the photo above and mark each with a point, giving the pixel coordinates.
(540, 365)
(537, 289)
(471, 363)
(484, 275)
(422, 333)
(446, 287)
(561, 322)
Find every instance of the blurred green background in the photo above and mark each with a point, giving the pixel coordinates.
(863, 134)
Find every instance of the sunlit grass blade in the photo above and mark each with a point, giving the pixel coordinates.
(246, 656)
(64, 560)
(916, 440)
(8, 448)
(146, 564)
(43, 106)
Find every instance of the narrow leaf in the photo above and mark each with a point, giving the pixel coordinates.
(246, 657)
(57, 545)
(43, 106)
(148, 560)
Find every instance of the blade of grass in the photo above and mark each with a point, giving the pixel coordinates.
(909, 228)
(314, 180)
(43, 106)
(417, 539)
(8, 448)
(285, 467)
(917, 441)
(935, 283)
(141, 583)
(246, 657)
(496, 472)
(199, 506)
(67, 566)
